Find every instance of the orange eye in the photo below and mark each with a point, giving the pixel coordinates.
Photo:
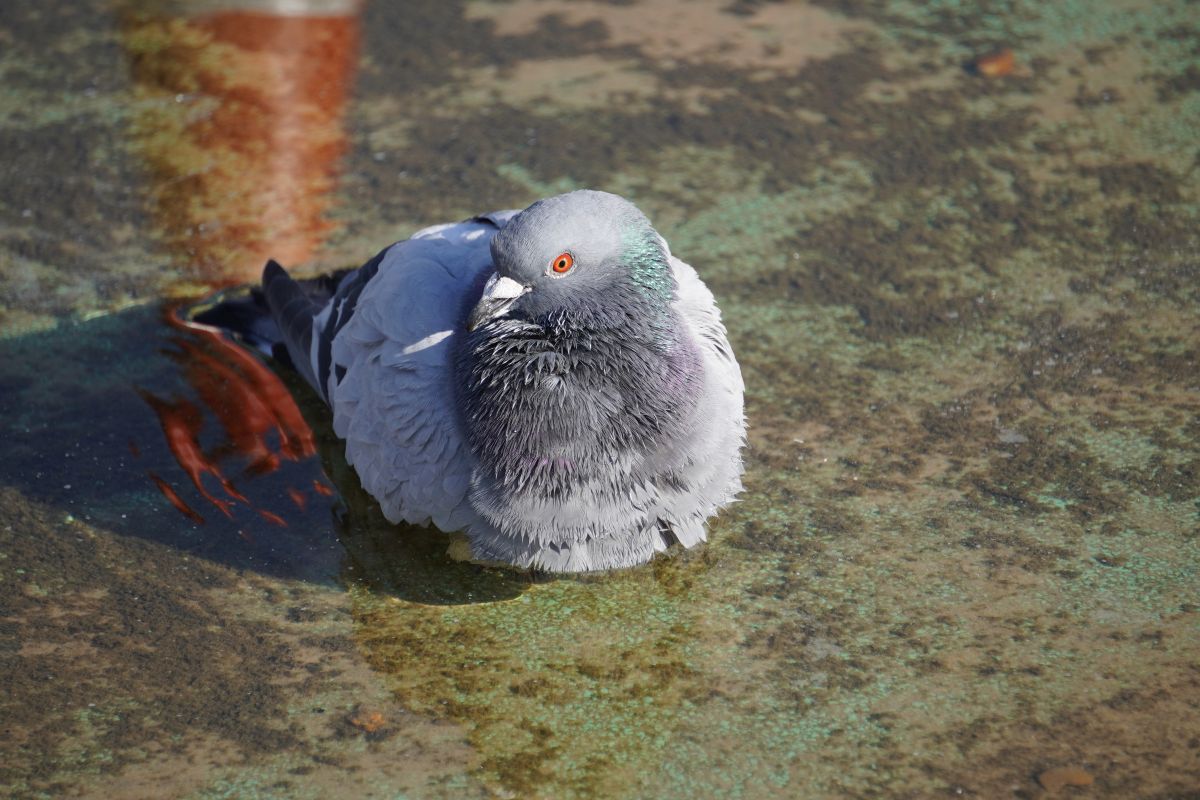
(562, 263)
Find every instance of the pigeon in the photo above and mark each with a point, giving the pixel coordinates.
(552, 382)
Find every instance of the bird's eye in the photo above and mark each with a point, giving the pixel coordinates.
(562, 263)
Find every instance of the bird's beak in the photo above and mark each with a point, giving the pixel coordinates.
(499, 293)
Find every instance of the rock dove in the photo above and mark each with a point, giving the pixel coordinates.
(552, 381)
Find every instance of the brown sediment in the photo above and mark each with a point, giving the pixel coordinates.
(159, 669)
(1056, 778)
(781, 36)
(999, 64)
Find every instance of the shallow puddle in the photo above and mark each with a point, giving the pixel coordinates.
(964, 297)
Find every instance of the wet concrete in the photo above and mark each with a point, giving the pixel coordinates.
(966, 311)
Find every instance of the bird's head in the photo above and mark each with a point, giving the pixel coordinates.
(567, 255)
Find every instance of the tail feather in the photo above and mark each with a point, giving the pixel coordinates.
(292, 320)
(293, 311)
(242, 311)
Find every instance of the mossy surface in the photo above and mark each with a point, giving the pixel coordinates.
(966, 310)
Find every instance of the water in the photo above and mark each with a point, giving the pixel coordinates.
(966, 311)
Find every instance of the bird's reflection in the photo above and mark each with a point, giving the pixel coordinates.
(240, 121)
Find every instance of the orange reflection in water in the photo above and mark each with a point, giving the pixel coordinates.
(181, 422)
(241, 123)
(261, 422)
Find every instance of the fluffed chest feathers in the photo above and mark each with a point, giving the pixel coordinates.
(549, 412)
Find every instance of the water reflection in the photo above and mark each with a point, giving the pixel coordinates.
(259, 428)
(256, 412)
(240, 121)
(156, 444)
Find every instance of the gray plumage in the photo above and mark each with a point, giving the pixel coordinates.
(567, 419)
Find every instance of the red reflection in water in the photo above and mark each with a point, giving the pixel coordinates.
(240, 118)
(260, 419)
(177, 501)
(298, 498)
(271, 517)
(181, 422)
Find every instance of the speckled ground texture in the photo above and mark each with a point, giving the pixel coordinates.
(966, 308)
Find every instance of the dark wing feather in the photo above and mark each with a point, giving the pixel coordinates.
(341, 309)
(293, 311)
(284, 314)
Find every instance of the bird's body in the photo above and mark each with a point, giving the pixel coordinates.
(552, 382)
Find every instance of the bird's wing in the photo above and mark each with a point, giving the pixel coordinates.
(711, 475)
(305, 326)
(391, 376)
